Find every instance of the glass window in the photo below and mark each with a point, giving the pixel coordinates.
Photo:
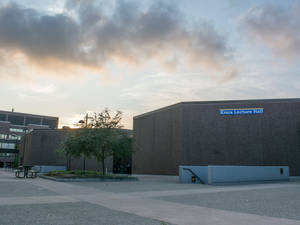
(3, 136)
(14, 137)
(33, 120)
(16, 130)
(16, 120)
(51, 123)
(2, 117)
(6, 154)
(7, 145)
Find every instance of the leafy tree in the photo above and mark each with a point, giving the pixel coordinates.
(109, 139)
(110, 142)
(85, 122)
(105, 120)
(78, 144)
(104, 140)
(122, 152)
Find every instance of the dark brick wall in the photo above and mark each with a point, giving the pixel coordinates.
(208, 138)
(157, 147)
(41, 149)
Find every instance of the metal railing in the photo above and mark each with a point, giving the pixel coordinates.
(195, 175)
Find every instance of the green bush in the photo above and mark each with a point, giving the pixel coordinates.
(83, 174)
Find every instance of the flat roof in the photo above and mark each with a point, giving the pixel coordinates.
(27, 114)
(279, 100)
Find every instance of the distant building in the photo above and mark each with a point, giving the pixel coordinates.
(262, 132)
(14, 125)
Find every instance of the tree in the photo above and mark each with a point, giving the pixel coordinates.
(84, 124)
(108, 137)
(78, 144)
(105, 120)
(102, 137)
(121, 154)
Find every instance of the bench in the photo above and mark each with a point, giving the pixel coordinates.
(22, 173)
(31, 174)
(18, 173)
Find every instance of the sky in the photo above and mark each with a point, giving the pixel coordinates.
(68, 57)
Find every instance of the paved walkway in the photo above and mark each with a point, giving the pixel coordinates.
(146, 202)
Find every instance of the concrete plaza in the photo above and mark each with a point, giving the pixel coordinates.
(152, 200)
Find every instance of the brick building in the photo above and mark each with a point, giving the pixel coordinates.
(243, 132)
(14, 125)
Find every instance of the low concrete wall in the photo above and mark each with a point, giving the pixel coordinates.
(186, 173)
(230, 174)
(227, 174)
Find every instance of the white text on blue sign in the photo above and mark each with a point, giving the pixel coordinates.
(248, 111)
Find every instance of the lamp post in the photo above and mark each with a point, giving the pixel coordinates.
(84, 123)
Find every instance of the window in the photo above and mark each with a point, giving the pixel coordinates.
(16, 130)
(33, 120)
(7, 145)
(2, 117)
(3, 136)
(16, 120)
(51, 123)
(14, 137)
(7, 154)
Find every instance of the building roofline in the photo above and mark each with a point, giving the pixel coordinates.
(281, 100)
(28, 114)
(158, 110)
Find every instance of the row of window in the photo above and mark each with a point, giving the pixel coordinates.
(16, 130)
(21, 120)
(7, 145)
(3, 136)
(14, 137)
(6, 154)
(10, 137)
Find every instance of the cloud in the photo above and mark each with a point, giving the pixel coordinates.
(159, 90)
(276, 27)
(43, 89)
(88, 35)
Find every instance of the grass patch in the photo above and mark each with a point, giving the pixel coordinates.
(85, 174)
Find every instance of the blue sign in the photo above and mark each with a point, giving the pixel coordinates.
(248, 111)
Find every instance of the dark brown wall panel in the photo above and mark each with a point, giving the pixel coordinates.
(205, 137)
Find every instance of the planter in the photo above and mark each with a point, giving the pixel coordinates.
(74, 179)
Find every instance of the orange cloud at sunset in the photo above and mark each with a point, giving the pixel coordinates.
(60, 43)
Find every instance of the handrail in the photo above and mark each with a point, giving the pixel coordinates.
(192, 172)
